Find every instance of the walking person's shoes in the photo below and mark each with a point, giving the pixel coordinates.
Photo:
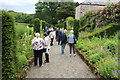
(74, 54)
(46, 61)
(41, 65)
(70, 55)
(35, 65)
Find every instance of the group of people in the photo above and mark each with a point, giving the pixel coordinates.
(63, 39)
(42, 45)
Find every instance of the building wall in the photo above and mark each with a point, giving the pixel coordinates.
(81, 9)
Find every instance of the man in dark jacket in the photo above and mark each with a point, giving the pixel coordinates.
(63, 41)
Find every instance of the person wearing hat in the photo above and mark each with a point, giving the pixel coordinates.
(71, 42)
(37, 43)
(47, 47)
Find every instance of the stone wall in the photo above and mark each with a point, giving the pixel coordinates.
(82, 8)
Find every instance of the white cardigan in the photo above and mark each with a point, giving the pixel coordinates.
(47, 43)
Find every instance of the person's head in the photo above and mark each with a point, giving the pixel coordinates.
(45, 34)
(71, 31)
(37, 34)
(65, 31)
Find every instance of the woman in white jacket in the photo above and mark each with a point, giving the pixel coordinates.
(47, 47)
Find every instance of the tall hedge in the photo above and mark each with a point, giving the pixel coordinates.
(8, 46)
(37, 25)
(76, 28)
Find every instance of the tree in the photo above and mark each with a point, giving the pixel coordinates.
(70, 22)
(51, 12)
(22, 17)
(36, 25)
(65, 9)
(46, 11)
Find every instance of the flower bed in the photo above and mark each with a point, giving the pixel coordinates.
(102, 53)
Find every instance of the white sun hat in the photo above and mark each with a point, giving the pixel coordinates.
(37, 34)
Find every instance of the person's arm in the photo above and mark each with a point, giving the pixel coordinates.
(33, 42)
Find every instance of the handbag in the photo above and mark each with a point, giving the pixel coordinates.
(75, 40)
(44, 50)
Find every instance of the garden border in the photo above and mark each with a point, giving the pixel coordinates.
(91, 66)
(23, 73)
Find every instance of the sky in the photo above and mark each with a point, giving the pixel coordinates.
(25, 6)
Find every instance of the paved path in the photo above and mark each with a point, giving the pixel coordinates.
(61, 66)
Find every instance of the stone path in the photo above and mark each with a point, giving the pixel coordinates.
(61, 66)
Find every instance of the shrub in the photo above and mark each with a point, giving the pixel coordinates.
(111, 46)
(37, 25)
(76, 28)
(8, 46)
(107, 31)
(96, 56)
(22, 62)
(108, 67)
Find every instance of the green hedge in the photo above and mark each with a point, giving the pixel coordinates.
(8, 46)
(109, 30)
(76, 28)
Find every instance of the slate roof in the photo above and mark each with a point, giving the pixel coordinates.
(101, 2)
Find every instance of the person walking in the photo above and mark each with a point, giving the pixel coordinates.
(37, 43)
(71, 42)
(59, 35)
(63, 41)
(56, 33)
(47, 47)
(52, 35)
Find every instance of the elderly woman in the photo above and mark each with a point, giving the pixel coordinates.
(37, 43)
(47, 47)
(71, 41)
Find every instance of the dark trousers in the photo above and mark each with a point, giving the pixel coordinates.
(38, 54)
(51, 41)
(72, 47)
(46, 57)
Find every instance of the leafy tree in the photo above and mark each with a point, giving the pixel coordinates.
(22, 17)
(70, 22)
(52, 12)
(36, 25)
(65, 9)
(46, 11)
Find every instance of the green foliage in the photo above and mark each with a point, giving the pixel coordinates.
(88, 20)
(76, 28)
(23, 45)
(70, 23)
(107, 31)
(99, 51)
(109, 14)
(8, 46)
(36, 25)
(101, 18)
(108, 67)
(97, 56)
(22, 62)
(22, 17)
(52, 12)
(22, 29)
(111, 46)
(65, 10)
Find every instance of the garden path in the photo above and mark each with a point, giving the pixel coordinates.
(61, 66)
